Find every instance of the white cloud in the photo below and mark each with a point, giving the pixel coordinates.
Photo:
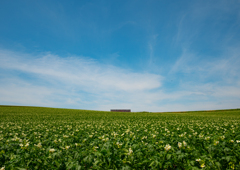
(83, 83)
(68, 82)
(79, 71)
(225, 68)
(20, 94)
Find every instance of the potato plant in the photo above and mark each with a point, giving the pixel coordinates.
(47, 138)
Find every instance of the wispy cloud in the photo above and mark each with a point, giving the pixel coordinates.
(224, 68)
(49, 76)
(151, 47)
(80, 82)
(79, 71)
(209, 79)
(208, 23)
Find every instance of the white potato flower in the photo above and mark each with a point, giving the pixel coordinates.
(167, 147)
(216, 142)
(207, 138)
(39, 145)
(51, 150)
(130, 151)
(179, 144)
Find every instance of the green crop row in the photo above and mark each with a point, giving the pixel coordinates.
(45, 138)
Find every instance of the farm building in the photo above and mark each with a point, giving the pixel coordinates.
(120, 110)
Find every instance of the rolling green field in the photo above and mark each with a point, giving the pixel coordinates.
(49, 138)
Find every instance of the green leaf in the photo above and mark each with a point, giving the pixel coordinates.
(78, 167)
(21, 168)
(192, 162)
(178, 152)
(57, 163)
(218, 164)
(228, 158)
(146, 161)
(169, 156)
(69, 165)
(152, 163)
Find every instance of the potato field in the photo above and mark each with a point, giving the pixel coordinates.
(58, 139)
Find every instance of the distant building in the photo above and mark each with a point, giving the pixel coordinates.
(120, 110)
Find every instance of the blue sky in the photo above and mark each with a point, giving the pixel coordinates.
(150, 55)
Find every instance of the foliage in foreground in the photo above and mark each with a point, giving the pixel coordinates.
(45, 138)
